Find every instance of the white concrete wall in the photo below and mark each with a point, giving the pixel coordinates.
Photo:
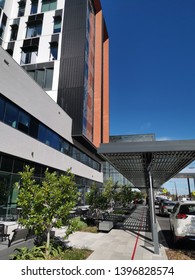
(11, 10)
(18, 86)
(18, 144)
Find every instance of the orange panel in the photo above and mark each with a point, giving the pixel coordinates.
(98, 81)
(105, 114)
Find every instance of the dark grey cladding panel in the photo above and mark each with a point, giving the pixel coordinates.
(72, 72)
(75, 14)
(71, 100)
(72, 62)
(75, 41)
(70, 3)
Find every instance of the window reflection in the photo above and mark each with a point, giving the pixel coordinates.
(19, 119)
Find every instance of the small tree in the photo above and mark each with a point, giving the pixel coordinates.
(95, 198)
(47, 204)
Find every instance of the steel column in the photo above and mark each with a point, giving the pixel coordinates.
(153, 217)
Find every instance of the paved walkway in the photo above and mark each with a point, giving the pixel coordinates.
(131, 242)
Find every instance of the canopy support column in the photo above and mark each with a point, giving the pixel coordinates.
(153, 216)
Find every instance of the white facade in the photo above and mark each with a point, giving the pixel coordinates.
(17, 86)
(44, 53)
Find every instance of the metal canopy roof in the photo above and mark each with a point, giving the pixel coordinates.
(164, 159)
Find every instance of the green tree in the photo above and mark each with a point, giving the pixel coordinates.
(124, 195)
(46, 204)
(96, 199)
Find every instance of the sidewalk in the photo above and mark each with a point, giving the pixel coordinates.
(132, 242)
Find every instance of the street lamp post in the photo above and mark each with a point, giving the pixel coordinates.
(175, 189)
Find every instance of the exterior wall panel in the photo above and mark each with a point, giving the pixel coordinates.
(105, 117)
(71, 79)
(98, 81)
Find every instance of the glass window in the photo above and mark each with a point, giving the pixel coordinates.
(75, 153)
(57, 25)
(2, 3)
(34, 127)
(34, 6)
(5, 184)
(48, 5)
(45, 135)
(32, 74)
(11, 115)
(6, 164)
(18, 166)
(40, 77)
(33, 30)
(48, 79)
(21, 8)
(42, 133)
(14, 33)
(24, 122)
(28, 57)
(53, 52)
(55, 142)
(65, 147)
(2, 109)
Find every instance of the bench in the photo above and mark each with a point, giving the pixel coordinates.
(19, 235)
(106, 226)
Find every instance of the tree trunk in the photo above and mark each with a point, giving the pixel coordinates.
(48, 241)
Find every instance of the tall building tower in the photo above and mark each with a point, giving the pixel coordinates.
(54, 92)
(64, 46)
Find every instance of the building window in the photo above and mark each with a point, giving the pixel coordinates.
(16, 117)
(28, 57)
(24, 122)
(48, 79)
(33, 30)
(34, 6)
(3, 25)
(21, 7)
(14, 33)
(11, 115)
(57, 24)
(2, 3)
(48, 5)
(2, 109)
(53, 50)
(43, 77)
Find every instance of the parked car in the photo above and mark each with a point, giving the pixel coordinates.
(158, 199)
(182, 221)
(166, 206)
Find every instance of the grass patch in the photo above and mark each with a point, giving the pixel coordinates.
(92, 229)
(72, 254)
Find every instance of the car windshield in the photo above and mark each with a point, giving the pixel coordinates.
(187, 209)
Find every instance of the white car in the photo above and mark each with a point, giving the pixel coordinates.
(182, 221)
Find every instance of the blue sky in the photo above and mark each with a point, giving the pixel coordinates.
(152, 67)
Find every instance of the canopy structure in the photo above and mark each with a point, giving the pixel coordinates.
(149, 165)
(164, 159)
(186, 173)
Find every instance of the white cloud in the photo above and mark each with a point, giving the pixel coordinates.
(163, 138)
